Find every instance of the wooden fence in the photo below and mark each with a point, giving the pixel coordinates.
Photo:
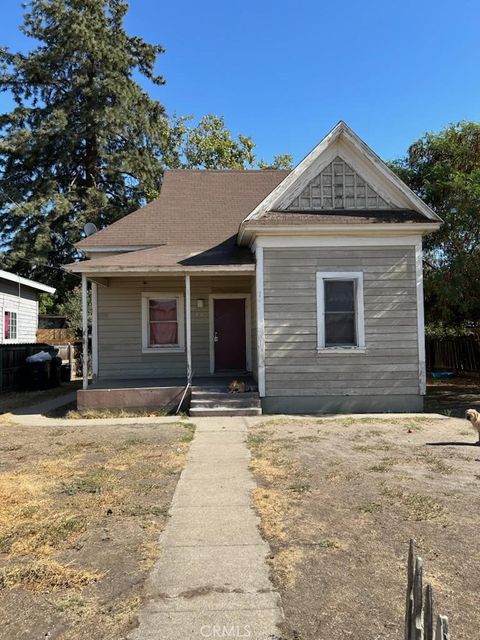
(419, 616)
(460, 354)
(55, 336)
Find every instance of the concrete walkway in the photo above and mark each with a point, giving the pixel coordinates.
(212, 580)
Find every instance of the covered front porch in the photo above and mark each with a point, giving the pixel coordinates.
(155, 336)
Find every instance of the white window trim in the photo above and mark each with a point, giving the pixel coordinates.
(155, 295)
(9, 340)
(359, 311)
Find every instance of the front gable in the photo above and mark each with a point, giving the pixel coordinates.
(338, 186)
(340, 174)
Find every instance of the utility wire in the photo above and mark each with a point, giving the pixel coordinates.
(48, 266)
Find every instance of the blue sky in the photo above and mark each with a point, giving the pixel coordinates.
(286, 72)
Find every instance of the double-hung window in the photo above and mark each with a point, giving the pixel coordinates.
(10, 325)
(340, 313)
(163, 322)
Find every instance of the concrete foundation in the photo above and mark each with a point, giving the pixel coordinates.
(165, 398)
(343, 404)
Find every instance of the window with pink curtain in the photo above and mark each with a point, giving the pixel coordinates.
(10, 325)
(162, 323)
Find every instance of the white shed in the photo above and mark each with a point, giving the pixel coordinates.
(19, 308)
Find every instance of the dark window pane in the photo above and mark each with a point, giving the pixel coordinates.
(340, 329)
(339, 295)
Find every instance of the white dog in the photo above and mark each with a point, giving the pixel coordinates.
(473, 417)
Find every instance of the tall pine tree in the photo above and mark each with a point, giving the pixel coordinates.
(84, 141)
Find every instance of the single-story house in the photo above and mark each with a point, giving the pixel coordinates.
(309, 281)
(19, 308)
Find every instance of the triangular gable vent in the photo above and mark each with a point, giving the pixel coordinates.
(338, 186)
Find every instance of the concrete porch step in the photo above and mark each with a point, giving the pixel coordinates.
(205, 412)
(223, 389)
(215, 403)
(208, 404)
(209, 396)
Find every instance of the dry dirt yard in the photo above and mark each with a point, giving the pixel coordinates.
(339, 500)
(80, 514)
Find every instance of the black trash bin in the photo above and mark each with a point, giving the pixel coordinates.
(38, 375)
(65, 373)
(45, 374)
(55, 371)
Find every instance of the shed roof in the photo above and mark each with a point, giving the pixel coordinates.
(26, 282)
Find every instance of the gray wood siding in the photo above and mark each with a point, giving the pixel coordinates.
(120, 326)
(294, 367)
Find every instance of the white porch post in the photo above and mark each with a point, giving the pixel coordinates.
(422, 369)
(188, 319)
(85, 330)
(94, 288)
(260, 320)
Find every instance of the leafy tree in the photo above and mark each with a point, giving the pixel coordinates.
(444, 170)
(84, 141)
(72, 309)
(210, 145)
(282, 161)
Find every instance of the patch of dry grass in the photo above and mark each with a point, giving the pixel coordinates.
(46, 576)
(385, 465)
(277, 501)
(83, 513)
(378, 445)
(29, 520)
(417, 506)
(285, 565)
(342, 475)
(436, 464)
(94, 414)
(273, 506)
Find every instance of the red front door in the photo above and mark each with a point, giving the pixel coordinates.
(229, 334)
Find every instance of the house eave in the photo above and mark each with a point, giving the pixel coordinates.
(118, 270)
(356, 230)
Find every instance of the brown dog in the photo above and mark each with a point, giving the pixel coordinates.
(473, 417)
(236, 386)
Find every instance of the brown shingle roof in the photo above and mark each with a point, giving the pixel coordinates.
(195, 208)
(178, 257)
